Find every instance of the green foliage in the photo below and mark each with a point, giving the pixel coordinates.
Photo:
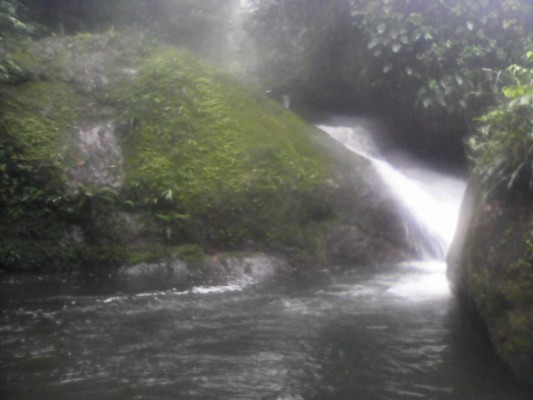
(445, 54)
(198, 25)
(37, 125)
(442, 52)
(503, 146)
(499, 278)
(192, 254)
(13, 20)
(519, 276)
(34, 124)
(430, 66)
(13, 25)
(212, 158)
(207, 161)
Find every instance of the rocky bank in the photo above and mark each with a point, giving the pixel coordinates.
(490, 265)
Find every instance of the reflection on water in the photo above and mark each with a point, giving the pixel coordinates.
(391, 334)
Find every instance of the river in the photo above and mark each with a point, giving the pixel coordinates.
(389, 332)
(385, 332)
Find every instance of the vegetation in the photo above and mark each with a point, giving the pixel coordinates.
(197, 25)
(13, 19)
(211, 165)
(503, 146)
(215, 163)
(199, 149)
(429, 66)
(207, 161)
(498, 278)
(13, 25)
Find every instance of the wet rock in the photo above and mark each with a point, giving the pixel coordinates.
(220, 269)
(368, 227)
(350, 246)
(490, 266)
(99, 159)
(258, 266)
(175, 269)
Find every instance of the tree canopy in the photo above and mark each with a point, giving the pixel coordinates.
(432, 66)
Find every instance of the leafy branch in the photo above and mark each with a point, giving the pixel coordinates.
(503, 146)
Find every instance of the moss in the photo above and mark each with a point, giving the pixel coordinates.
(39, 116)
(208, 161)
(151, 254)
(192, 254)
(238, 165)
(499, 280)
(96, 256)
(513, 332)
(38, 121)
(47, 255)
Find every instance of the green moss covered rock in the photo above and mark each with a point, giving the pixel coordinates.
(115, 150)
(490, 264)
(199, 148)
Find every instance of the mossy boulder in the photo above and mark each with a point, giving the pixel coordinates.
(490, 265)
(116, 150)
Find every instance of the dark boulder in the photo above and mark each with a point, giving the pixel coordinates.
(490, 266)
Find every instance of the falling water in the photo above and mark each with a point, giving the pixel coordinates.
(429, 201)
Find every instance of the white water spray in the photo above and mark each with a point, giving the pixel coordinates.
(430, 201)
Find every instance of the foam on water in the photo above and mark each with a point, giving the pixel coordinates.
(235, 285)
(230, 287)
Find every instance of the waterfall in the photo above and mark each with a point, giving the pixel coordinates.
(429, 201)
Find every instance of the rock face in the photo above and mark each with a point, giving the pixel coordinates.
(367, 227)
(146, 152)
(100, 160)
(490, 265)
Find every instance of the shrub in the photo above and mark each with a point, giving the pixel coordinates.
(503, 146)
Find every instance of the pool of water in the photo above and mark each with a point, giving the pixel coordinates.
(389, 333)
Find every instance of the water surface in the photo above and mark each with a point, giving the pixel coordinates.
(394, 333)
